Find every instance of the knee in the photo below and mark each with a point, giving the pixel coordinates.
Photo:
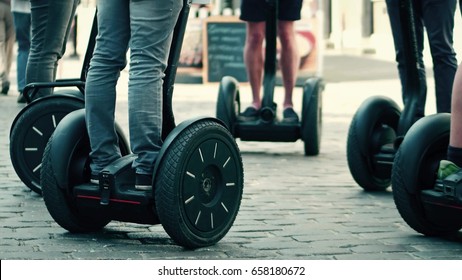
(255, 39)
(287, 38)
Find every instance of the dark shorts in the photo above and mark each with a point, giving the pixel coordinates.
(255, 10)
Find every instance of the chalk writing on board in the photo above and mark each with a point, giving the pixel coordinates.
(225, 45)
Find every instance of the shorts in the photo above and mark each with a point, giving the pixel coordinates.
(255, 10)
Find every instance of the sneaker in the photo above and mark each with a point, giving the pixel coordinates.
(446, 168)
(289, 115)
(94, 179)
(5, 87)
(21, 98)
(249, 114)
(143, 182)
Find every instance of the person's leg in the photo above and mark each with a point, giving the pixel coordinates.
(9, 44)
(3, 76)
(454, 153)
(438, 18)
(7, 39)
(22, 27)
(109, 58)
(253, 59)
(151, 24)
(289, 61)
(456, 111)
(396, 28)
(51, 21)
(253, 13)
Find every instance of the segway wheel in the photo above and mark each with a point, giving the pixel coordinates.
(228, 103)
(373, 127)
(199, 184)
(30, 133)
(414, 170)
(311, 126)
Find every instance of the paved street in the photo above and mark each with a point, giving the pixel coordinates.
(293, 207)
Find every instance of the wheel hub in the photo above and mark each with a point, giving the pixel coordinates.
(209, 184)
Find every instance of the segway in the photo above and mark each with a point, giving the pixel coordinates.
(267, 127)
(431, 207)
(379, 125)
(197, 180)
(35, 123)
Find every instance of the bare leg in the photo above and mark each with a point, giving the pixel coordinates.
(456, 111)
(290, 59)
(253, 59)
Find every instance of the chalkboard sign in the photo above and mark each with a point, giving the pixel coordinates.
(224, 39)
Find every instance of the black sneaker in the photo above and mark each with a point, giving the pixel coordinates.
(143, 182)
(21, 98)
(249, 114)
(289, 115)
(5, 87)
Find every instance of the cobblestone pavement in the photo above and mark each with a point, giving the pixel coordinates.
(293, 207)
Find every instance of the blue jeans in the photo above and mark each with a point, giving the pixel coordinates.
(51, 21)
(146, 27)
(22, 26)
(437, 16)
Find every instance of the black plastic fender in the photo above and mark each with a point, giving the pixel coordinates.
(71, 94)
(68, 135)
(228, 104)
(418, 140)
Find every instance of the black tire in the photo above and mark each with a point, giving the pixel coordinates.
(414, 169)
(65, 164)
(311, 123)
(228, 103)
(60, 202)
(199, 184)
(30, 133)
(373, 126)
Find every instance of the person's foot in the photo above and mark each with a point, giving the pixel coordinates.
(21, 98)
(5, 87)
(289, 115)
(447, 168)
(143, 182)
(249, 114)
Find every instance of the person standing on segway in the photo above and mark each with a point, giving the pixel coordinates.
(437, 19)
(253, 12)
(146, 28)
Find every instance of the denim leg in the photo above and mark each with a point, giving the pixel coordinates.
(22, 26)
(152, 24)
(396, 28)
(109, 58)
(439, 22)
(51, 21)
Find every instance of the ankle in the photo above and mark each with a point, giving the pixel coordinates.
(454, 155)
